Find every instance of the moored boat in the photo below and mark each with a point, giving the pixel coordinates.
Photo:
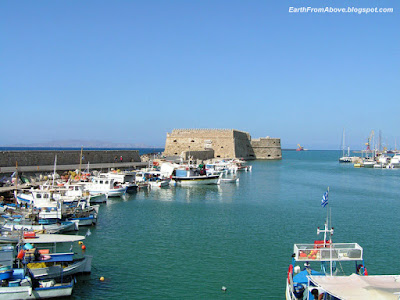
(321, 259)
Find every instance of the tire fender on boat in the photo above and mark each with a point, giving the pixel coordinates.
(290, 273)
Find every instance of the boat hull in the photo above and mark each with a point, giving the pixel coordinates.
(26, 292)
(196, 180)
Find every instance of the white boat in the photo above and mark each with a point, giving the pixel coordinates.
(346, 158)
(191, 177)
(233, 179)
(106, 186)
(394, 161)
(323, 275)
(24, 289)
(48, 228)
(97, 198)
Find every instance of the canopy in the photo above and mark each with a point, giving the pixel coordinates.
(360, 287)
(54, 238)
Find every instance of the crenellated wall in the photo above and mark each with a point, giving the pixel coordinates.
(226, 143)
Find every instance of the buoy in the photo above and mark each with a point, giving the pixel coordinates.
(223, 288)
(83, 247)
(101, 278)
(80, 242)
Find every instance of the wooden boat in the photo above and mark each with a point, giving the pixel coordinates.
(192, 177)
(21, 286)
(324, 277)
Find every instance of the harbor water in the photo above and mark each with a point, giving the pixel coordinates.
(187, 243)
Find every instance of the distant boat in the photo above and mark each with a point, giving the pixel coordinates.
(299, 148)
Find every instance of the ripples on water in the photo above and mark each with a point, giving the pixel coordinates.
(186, 243)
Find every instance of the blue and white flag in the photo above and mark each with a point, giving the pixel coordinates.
(324, 201)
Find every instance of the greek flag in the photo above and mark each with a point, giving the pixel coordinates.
(324, 201)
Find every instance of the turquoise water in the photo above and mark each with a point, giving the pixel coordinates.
(186, 243)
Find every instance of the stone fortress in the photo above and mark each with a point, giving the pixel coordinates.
(220, 143)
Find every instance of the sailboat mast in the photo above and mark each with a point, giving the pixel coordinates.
(54, 172)
(80, 162)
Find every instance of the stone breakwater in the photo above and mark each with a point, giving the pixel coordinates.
(66, 157)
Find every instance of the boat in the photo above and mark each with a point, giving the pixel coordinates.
(191, 176)
(22, 287)
(233, 179)
(346, 158)
(299, 148)
(105, 185)
(98, 198)
(60, 227)
(321, 259)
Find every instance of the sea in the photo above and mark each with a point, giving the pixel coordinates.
(188, 243)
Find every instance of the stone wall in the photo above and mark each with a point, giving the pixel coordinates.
(46, 157)
(198, 155)
(226, 143)
(267, 148)
(219, 140)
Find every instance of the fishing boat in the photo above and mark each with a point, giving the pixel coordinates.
(324, 273)
(191, 176)
(105, 185)
(321, 259)
(21, 287)
(233, 179)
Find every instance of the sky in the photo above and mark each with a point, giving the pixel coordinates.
(131, 71)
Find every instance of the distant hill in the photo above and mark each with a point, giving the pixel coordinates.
(84, 144)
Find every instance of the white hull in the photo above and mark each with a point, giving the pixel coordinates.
(26, 292)
(196, 180)
(98, 198)
(53, 228)
(159, 183)
(77, 267)
(110, 193)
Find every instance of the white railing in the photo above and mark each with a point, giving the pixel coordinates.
(334, 252)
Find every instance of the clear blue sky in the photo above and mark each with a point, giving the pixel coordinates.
(131, 71)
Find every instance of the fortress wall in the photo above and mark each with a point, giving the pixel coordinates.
(226, 143)
(220, 140)
(243, 147)
(66, 157)
(267, 148)
(199, 155)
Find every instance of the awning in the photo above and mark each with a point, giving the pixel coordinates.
(352, 287)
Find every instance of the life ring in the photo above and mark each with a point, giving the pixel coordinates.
(289, 273)
(361, 270)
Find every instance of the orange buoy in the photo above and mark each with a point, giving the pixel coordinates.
(83, 247)
(101, 278)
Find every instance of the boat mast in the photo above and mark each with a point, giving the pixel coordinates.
(343, 143)
(54, 172)
(80, 163)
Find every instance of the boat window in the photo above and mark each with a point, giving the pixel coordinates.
(175, 141)
(38, 196)
(101, 181)
(46, 196)
(192, 141)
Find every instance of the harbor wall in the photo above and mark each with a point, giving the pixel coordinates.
(226, 143)
(65, 157)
